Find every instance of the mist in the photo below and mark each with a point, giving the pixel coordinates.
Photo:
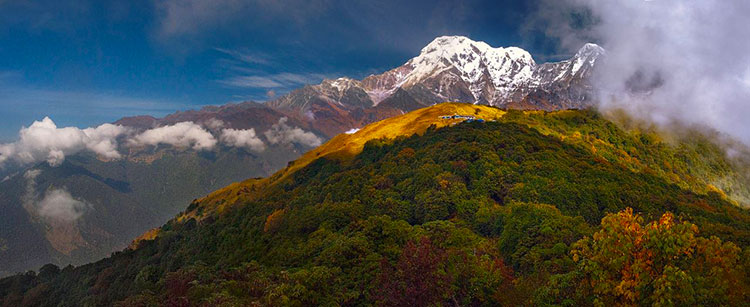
(685, 62)
(57, 203)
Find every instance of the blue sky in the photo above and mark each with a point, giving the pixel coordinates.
(87, 62)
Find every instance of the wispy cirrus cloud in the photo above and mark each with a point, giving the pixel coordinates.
(250, 70)
(246, 56)
(273, 81)
(251, 81)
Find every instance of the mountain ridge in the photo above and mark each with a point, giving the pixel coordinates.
(450, 68)
(346, 145)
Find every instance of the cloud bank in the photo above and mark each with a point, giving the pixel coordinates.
(281, 133)
(668, 61)
(192, 135)
(242, 138)
(44, 141)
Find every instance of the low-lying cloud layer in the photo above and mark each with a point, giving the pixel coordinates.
(44, 141)
(684, 61)
(281, 133)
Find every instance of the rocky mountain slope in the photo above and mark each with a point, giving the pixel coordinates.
(450, 68)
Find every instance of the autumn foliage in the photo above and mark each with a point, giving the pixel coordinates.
(664, 262)
(273, 220)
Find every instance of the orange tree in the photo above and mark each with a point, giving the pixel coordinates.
(662, 263)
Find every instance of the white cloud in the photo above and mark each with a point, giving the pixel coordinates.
(281, 133)
(242, 138)
(182, 134)
(102, 139)
(352, 131)
(59, 204)
(44, 141)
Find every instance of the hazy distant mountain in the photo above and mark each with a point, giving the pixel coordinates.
(113, 201)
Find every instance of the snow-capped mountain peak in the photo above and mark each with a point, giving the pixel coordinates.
(590, 49)
(458, 69)
(470, 58)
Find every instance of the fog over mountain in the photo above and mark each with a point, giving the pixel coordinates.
(667, 61)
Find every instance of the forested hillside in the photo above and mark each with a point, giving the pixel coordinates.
(517, 208)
